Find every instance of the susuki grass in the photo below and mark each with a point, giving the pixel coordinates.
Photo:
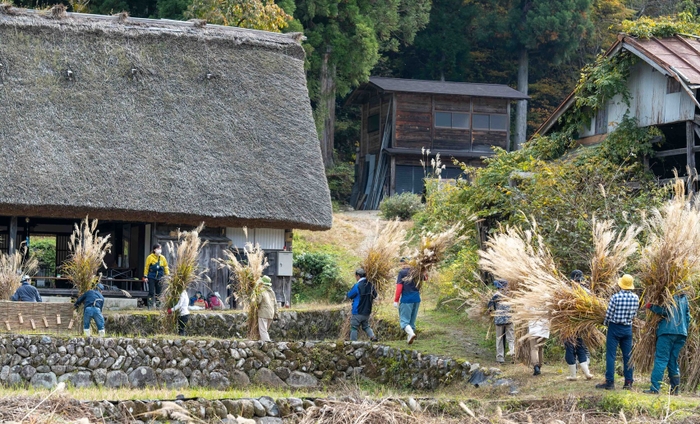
(87, 252)
(611, 252)
(381, 254)
(432, 248)
(185, 271)
(13, 267)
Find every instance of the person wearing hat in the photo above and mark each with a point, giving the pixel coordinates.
(670, 339)
(505, 333)
(26, 292)
(267, 308)
(183, 308)
(93, 301)
(575, 347)
(622, 309)
(407, 300)
(362, 294)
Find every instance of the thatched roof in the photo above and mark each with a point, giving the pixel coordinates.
(148, 120)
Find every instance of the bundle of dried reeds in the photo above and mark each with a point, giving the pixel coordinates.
(13, 267)
(245, 280)
(579, 313)
(381, 253)
(431, 250)
(364, 411)
(185, 271)
(87, 252)
(669, 263)
(611, 251)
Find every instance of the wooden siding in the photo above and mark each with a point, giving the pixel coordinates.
(486, 105)
(484, 140)
(414, 120)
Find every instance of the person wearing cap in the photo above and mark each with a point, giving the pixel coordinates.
(182, 307)
(505, 333)
(575, 347)
(267, 308)
(670, 339)
(93, 301)
(407, 300)
(26, 292)
(362, 294)
(622, 309)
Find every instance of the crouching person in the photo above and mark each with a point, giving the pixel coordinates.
(362, 294)
(93, 301)
(267, 308)
(26, 292)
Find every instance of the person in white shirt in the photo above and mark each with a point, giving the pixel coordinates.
(538, 333)
(183, 310)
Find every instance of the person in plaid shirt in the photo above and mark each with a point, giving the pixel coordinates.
(622, 309)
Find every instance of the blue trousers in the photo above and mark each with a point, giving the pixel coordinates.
(407, 314)
(93, 313)
(575, 349)
(668, 347)
(618, 335)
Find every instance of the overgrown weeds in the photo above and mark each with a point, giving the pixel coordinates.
(13, 267)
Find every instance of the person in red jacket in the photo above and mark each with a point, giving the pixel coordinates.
(407, 300)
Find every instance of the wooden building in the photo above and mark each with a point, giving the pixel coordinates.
(663, 86)
(151, 126)
(401, 117)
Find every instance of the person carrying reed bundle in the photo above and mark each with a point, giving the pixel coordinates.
(407, 300)
(267, 307)
(94, 301)
(505, 332)
(362, 294)
(575, 347)
(671, 335)
(537, 333)
(622, 309)
(182, 308)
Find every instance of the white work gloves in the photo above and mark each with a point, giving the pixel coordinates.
(396, 305)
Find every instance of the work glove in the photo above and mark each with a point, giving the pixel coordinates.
(170, 311)
(648, 305)
(396, 305)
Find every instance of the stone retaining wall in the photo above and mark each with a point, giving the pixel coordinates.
(292, 325)
(220, 364)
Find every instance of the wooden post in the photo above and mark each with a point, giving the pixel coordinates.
(393, 120)
(690, 152)
(392, 178)
(13, 236)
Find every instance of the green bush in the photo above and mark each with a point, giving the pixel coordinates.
(341, 178)
(402, 206)
(317, 278)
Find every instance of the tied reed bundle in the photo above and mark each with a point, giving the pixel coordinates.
(13, 267)
(380, 256)
(185, 271)
(611, 251)
(87, 253)
(579, 313)
(669, 263)
(431, 251)
(245, 280)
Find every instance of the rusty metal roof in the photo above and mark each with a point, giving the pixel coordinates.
(678, 55)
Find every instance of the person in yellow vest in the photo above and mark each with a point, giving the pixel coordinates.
(155, 269)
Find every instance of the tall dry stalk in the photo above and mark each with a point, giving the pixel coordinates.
(13, 267)
(431, 250)
(87, 253)
(245, 280)
(381, 254)
(670, 262)
(185, 270)
(611, 252)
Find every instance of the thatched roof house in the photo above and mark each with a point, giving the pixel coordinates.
(156, 121)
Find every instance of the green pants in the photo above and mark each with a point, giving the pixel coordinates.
(668, 347)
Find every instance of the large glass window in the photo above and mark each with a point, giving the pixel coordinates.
(452, 120)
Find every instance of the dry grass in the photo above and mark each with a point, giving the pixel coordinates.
(47, 409)
(431, 250)
(185, 271)
(381, 254)
(87, 252)
(13, 267)
(611, 252)
(578, 313)
(669, 263)
(245, 280)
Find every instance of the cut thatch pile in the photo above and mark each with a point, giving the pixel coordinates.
(13, 267)
(154, 120)
(611, 251)
(33, 409)
(432, 248)
(381, 254)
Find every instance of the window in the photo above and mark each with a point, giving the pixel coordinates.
(451, 120)
(490, 122)
(672, 86)
(373, 123)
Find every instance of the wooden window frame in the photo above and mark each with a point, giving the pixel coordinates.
(451, 127)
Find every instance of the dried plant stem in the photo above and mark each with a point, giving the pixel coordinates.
(13, 267)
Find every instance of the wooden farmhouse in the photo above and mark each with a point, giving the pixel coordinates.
(401, 117)
(150, 126)
(663, 87)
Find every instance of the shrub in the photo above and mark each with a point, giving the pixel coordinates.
(341, 178)
(317, 277)
(402, 206)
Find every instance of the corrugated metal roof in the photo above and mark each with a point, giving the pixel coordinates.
(677, 55)
(447, 87)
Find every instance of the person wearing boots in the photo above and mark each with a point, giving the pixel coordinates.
(407, 300)
(362, 294)
(538, 333)
(93, 301)
(622, 309)
(267, 308)
(576, 348)
(505, 333)
(670, 339)
(154, 270)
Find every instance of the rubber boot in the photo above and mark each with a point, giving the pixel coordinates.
(572, 373)
(87, 332)
(586, 371)
(675, 384)
(411, 335)
(101, 333)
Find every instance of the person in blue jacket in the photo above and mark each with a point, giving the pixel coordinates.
(670, 339)
(26, 292)
(362, 294)
(407, 300)
(93, 301)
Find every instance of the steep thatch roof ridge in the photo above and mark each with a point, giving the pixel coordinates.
(155, 121)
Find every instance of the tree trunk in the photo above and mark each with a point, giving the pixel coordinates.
(327, 104)
(521, 113)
